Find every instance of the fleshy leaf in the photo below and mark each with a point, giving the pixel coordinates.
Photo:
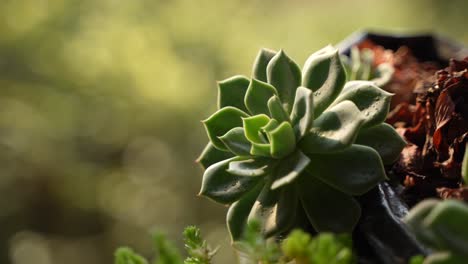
(415, 217)
(277, 111)
(223, 187)
(289, 169)
(354, 171)
(262, 149)
(302, 115)
(324, 73)
(282, 140)
(252, 126)
(257, 96)
(236, 141)
(231, 92)
(355, 63)
(212, 155)
(250, 167)
(238, 213)
(372, 101)
(275, 209)
(383, 74)
(221, 122)
(272, 125)
(448, 222)
(384, 139)
(259, 70)
(334, 130)
(327, 208)
(284, 74)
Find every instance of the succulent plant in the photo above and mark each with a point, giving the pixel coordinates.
(288, 146)
(441, 225)
(360, 66)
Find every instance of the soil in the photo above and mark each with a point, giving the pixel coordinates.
(430, 111)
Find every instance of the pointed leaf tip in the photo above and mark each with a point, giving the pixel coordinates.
(259, 70)
(282, 140)
(372, 101)
(277, 110)
(384, 139)
(334, 130)
(221, 122)
(211, 155)
(236, 141)
(223, 187)
(324, 73)
(231, 92)
(302, 115)
(257, 96)
(284, 74)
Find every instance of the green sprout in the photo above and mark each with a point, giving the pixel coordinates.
(288, 142)
(324, 248)
(441, 225)
(125, 255)
(198, 250)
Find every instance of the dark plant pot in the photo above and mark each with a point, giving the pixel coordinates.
(381, 236)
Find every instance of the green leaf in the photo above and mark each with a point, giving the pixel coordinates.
(415, 218)
(221, 122)
(282, 140)
(275, 209)
(238, 213)
(367, 58)
(327, 208)
(252, 126)
(223, 187)
(384, 139)
(372, 101)
(257, 96)
(259, 70)
(383, 74)
(464, 170)
(211, 155)
(302, 115)
(355, 64)
(277, 110)
(231, 92)
(334, 130)
(448, 222)
(167, 253)
(263, 149)
(236, 141)
(126, 255)
(250, 167)
(284, 74)
(324, 73)
(289, 169)
(354, 171)
(296, 245)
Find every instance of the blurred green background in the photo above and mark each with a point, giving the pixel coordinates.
(101, 102)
